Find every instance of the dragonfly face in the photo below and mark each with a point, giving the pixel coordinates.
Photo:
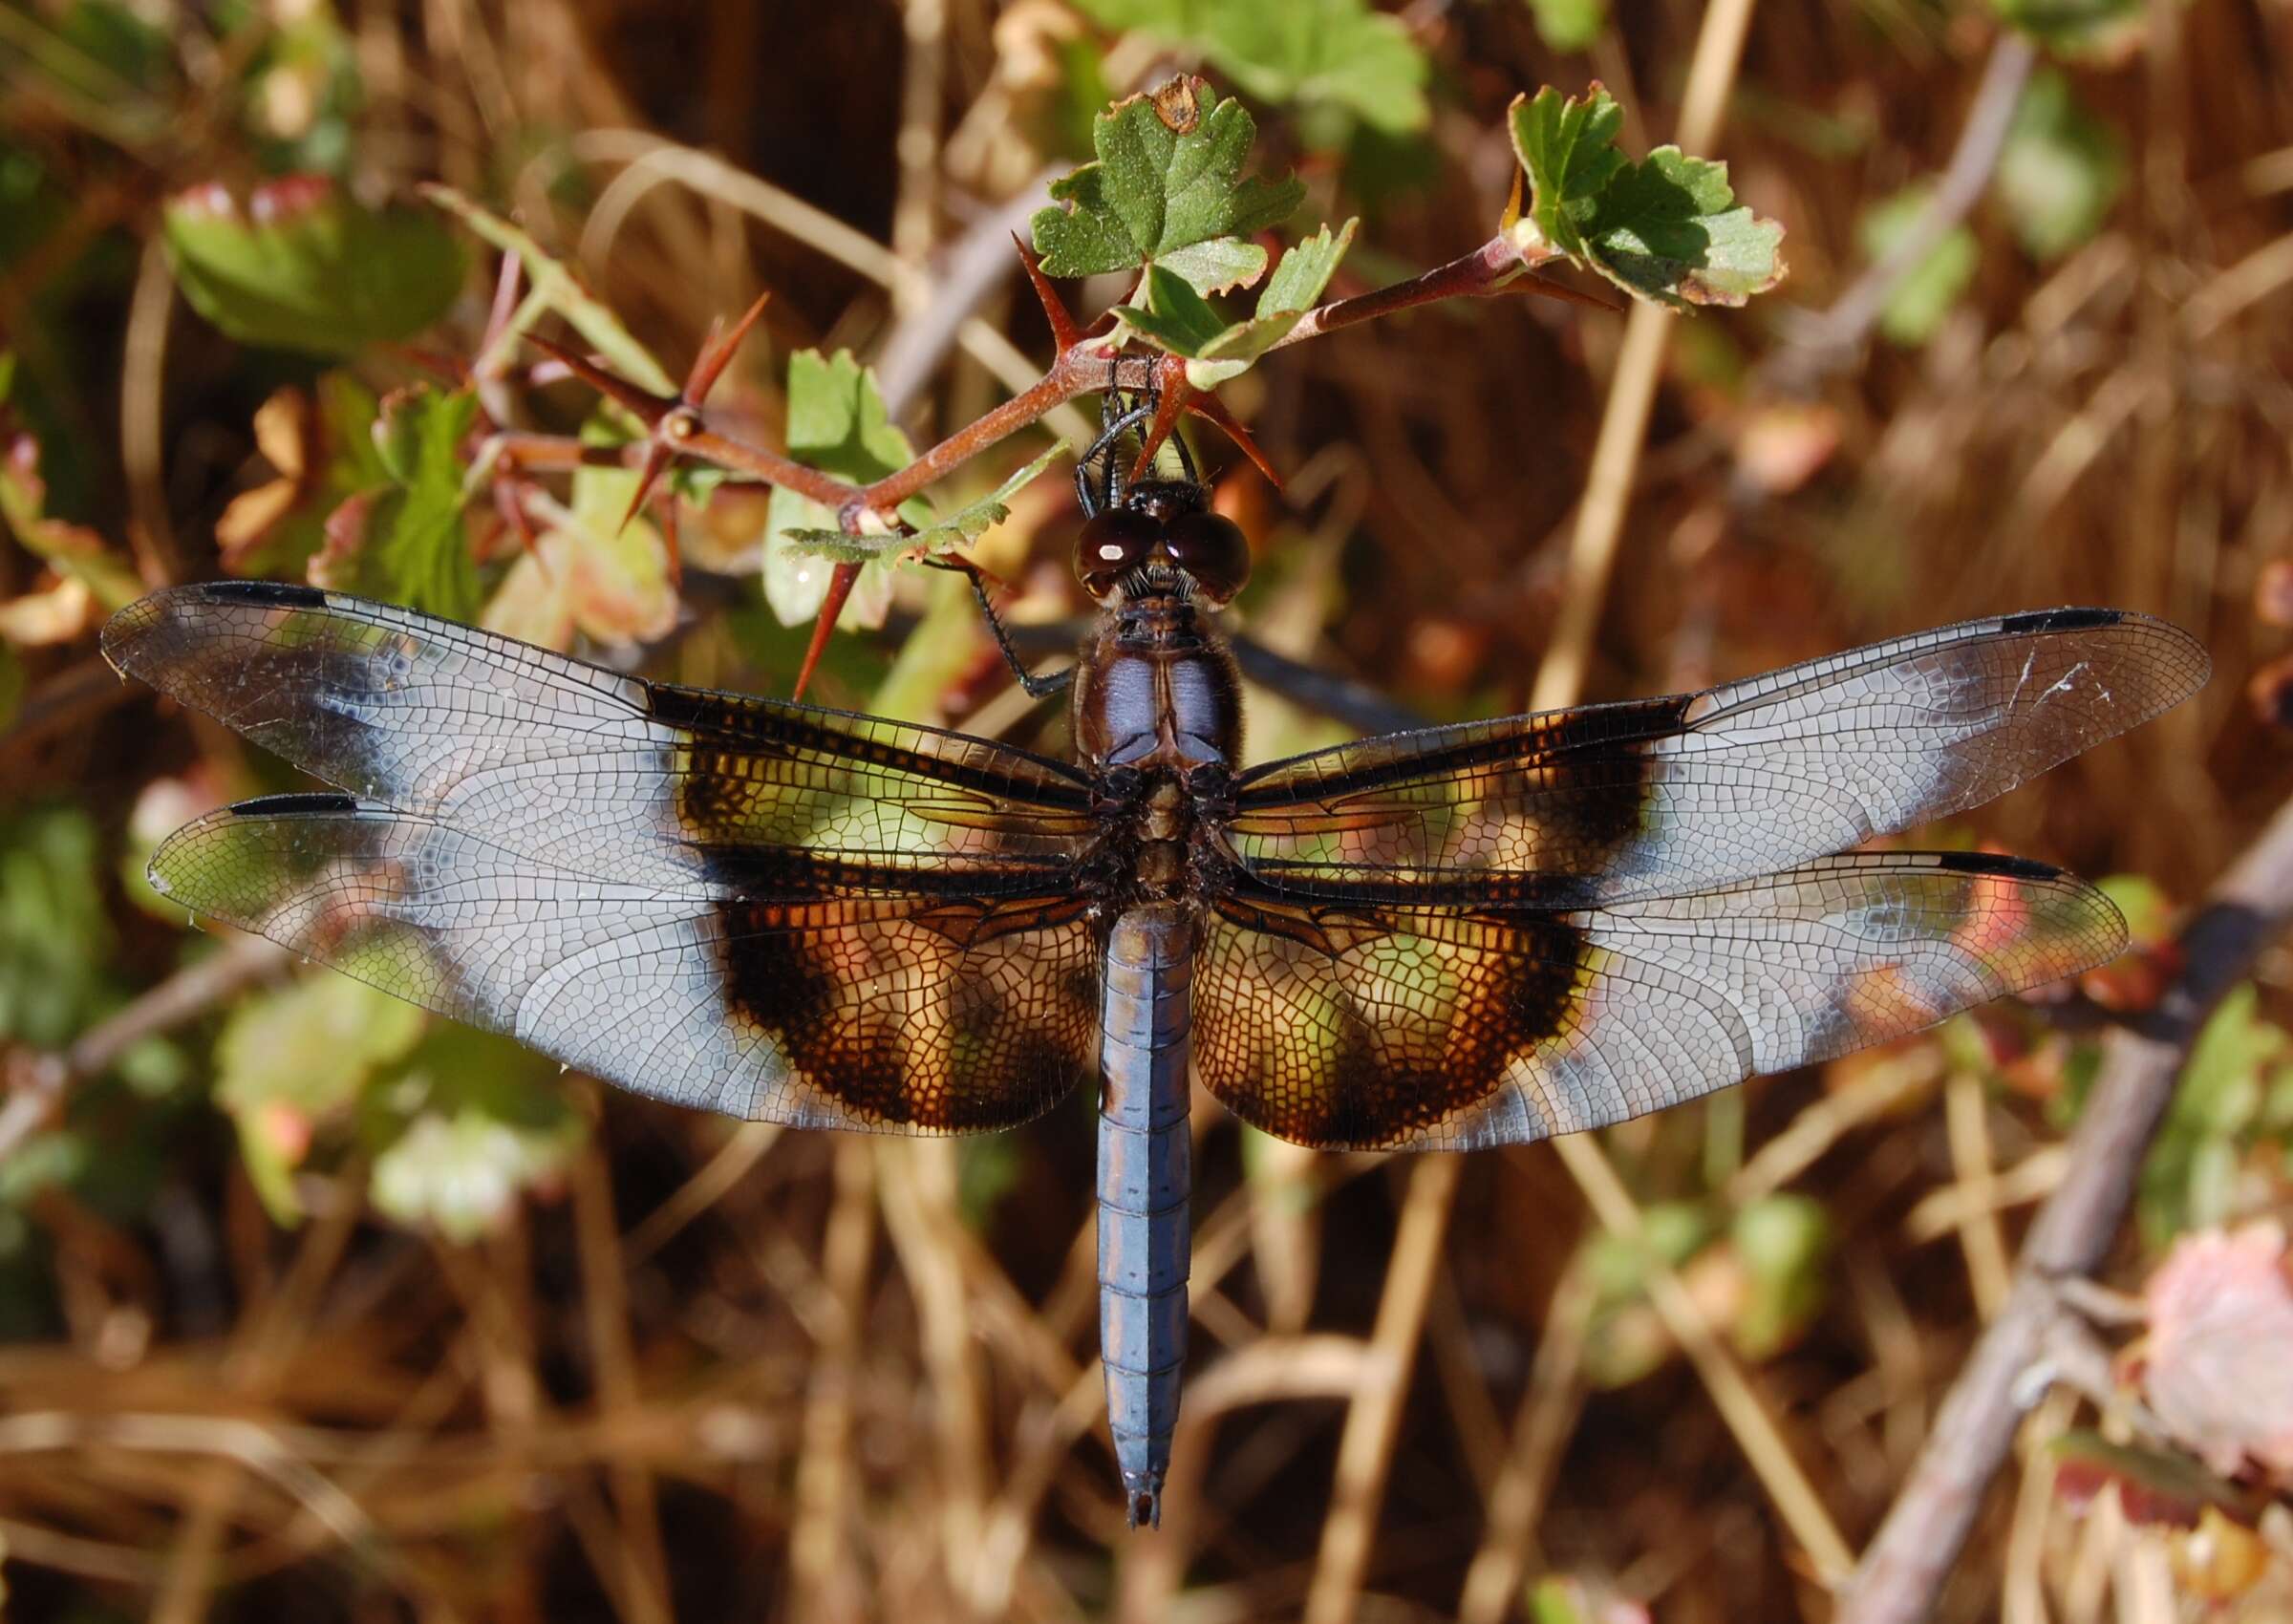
(1464, 936)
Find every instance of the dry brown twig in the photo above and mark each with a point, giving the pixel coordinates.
(1903, 1569)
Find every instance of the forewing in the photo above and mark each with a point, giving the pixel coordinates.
(1573, 807)
(581, 768)
(818, 999)
(1446, 1029)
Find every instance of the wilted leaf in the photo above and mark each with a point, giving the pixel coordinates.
(405, 542)
(1928, 291)
(1168, 178)
(2215, 1366)
(589, 572)
(71, 549)
(2061, 171)
(1666, 228)
(2154, 1487)
(322, 443)
(304, 267)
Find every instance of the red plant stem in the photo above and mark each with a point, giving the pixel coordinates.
(1485, 270)
(1078, 371)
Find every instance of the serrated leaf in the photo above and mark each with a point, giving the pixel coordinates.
(304, 267)
(2061, 171)
(557, 288)
(1666, 229)
(1930, 287)
(404, 542)
(1168, 177)
(74, 551)
(1296, 282)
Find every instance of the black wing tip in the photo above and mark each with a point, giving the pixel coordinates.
(1999, 865)
(2066, 620)
(301, 804)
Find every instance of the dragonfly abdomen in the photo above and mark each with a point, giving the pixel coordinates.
(1146, 1176)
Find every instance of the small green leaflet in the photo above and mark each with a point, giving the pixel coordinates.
(1166, 189)
(960, 528)
(305, 266)
(1666, 229)
(1180, 320)
(404, 540)
(1569, 25)
(2061, 169)
(1926, 293)
(836, 423)
(1337, 53)
(554, 289)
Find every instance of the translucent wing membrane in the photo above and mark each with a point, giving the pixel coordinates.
(1636, 800)
(765, 910)
(1406, 1027)
(811, 1002)
(589, 771)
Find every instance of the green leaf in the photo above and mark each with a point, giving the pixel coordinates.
(1296, 282)
(1178, 320)
(470, 1124)
(960, 528)
(1927, 294)
(837, 423)
(1174, 315)
(2069, 24)
(1168, 177)
(1339, 54)
(1569, 25)
(2061, 171)
(554, 289)
(1666, 229)
(404, 540)
(55, 935)
(1782, 1241)
(304, 267)
(288, 1059)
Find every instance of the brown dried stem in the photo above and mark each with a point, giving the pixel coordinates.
(1903, 1569)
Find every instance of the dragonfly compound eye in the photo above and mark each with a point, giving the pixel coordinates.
(1111, 545)
(1210, 547)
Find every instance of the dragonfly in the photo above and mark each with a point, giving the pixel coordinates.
(1447, 939)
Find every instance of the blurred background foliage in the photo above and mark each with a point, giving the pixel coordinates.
(318, 1308)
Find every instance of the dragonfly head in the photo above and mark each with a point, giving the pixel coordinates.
(1160, 540)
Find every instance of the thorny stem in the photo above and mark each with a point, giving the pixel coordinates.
(1495, 267)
